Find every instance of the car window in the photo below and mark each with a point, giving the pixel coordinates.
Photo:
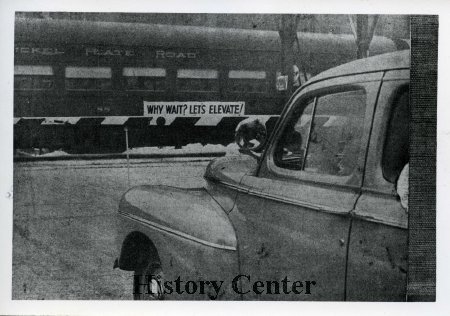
(396, 146)
(324, 134)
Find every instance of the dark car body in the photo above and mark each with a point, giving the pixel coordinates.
(323, 212)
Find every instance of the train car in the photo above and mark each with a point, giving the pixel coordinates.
(77, 84)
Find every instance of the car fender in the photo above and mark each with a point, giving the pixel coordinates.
(185, 231)
(190, 214)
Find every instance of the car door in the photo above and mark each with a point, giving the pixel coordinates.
(379, 236)
(293, 223)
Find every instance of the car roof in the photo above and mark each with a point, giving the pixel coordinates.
(389, 61)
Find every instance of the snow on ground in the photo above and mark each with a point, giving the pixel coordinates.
(35, 152)
(231, 149)
(54, 153)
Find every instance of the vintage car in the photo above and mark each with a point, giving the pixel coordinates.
(316, 215)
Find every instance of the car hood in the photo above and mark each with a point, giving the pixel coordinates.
(230, 169)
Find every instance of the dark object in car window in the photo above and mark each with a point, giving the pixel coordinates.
(326, 137)
(396, 146)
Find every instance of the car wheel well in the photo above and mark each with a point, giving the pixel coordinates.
(137, 252)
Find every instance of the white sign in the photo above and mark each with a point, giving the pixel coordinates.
(282, 83)
(194, 109)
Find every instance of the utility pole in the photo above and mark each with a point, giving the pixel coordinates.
(363, 27)
(128, 155)
(288, 35)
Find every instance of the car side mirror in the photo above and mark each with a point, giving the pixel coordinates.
(251, 137)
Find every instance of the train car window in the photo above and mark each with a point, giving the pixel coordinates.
(88, 78)
(247, 81)
(33, 77)
(150, 79)
(197, 80)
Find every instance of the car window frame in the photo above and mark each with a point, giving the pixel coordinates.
(394, 81)
(371, 84)
(398, 93)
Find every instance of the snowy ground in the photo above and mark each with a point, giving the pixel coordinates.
(188, 149)
(231, 149)
(35, 152)
(64, 224)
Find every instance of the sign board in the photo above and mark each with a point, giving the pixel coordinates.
(282, 83)
(194, 109)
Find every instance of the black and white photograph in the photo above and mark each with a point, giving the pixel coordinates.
(230, 156)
